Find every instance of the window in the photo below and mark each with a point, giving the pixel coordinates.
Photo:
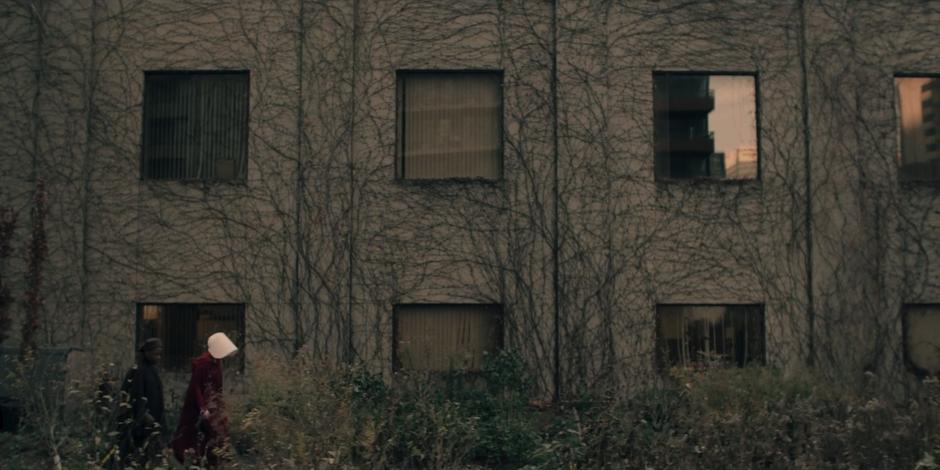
(184, 329)
(195, 126)
(918, 111)
(445, 337)
(705, 126)
(450, 125)
(695, 334)
(922, 338)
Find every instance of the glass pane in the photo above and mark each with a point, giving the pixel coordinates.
(184, 329)
(922, 338)
(705, 126)
(445, 337)
(223, 108)
(196, 126)
(918, 110)
(451, 125)
(218, 318)
(179, 342)
(170, 106)
(695, 334)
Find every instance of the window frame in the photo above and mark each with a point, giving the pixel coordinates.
(758, 177)
(240, 312)
(661, 363)
(396, 361)
(400, 77)
(905, 325)
(897, 129)
(240, 180)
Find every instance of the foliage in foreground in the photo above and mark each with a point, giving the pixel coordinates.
(305, 415)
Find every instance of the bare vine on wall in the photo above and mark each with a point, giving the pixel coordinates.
(323, 238)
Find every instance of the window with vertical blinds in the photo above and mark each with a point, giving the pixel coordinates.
(450, 125)
(446, 337)
(185, 328)
(690, 335)
(195, 126)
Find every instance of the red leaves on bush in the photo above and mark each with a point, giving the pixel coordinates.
(7, 225)
(36, 256)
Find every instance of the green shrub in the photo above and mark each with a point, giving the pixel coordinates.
(508, 430)
(425, 430)
(743, 418)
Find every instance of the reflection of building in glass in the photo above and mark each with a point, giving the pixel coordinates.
(742, 164)
(717, 165)
(683, 143)
(919, 134)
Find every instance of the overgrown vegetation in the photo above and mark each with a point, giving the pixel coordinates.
(307, 415)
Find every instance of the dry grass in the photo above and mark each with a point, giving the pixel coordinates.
(300, 414)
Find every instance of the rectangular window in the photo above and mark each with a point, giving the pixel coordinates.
(195, 126)
(432, 337)
(918, 109)
(184, 329)
(695, 334)
(450, 125)
(705, 126)
(922, 338)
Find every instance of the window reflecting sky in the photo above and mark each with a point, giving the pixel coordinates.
(705, 126)
(734, 122)
(918, 111)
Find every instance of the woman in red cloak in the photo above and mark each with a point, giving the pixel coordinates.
(203, 425)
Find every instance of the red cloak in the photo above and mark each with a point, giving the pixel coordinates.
(195, 434)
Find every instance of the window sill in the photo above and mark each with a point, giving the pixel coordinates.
(742, 190)
(193, 181)
(193, 189)
(665, 184)
(913, 185)
(202, 184)
(436, 182)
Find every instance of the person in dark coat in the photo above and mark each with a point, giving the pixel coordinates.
(143, 422)
(203, 425)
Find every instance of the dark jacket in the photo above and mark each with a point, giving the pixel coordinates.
(143, 423)
(145, 391)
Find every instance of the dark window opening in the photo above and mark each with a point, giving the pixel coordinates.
(184, 329)
(690, 335)
(195, 126)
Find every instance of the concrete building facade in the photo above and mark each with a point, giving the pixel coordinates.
(324, 244)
